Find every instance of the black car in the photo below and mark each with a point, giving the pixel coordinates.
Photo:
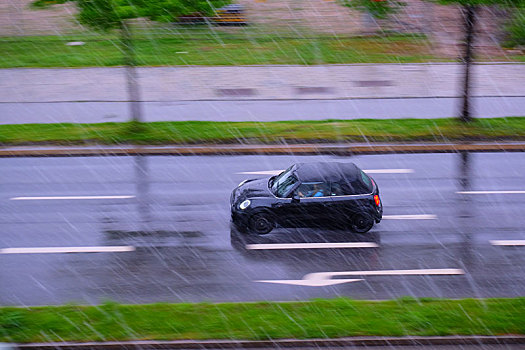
(308, 195)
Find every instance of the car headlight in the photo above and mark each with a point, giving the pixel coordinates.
(242, 183)
(244, 204)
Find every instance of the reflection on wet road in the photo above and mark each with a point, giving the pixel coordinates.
(147, 229)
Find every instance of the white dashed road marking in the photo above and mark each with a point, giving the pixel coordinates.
(322, 279)
(262, 172)
(68, 197)
(509, 243)
(54, 250)
(388, 171)
(368, 171)
(410, 217)
(311, 245)
(491, 192)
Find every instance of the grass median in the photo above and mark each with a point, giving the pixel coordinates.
(327, 131)
(213, 48)
(322, 318)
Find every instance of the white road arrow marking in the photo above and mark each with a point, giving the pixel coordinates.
(516, 242)
(312, 283)
(52, 250)
(68, 197)
(322, 279)
(311, 245)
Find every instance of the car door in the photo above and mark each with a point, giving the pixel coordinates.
(314, 210)
(311, 208)
(288, 212)
(346, 202)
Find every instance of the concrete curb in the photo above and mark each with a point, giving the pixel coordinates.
(280, 343)
(268, 99)
(301, 149)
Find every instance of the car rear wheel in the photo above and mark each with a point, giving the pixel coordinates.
(362, 223)
(261, 223)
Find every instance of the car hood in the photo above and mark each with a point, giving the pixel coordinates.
(253, 188)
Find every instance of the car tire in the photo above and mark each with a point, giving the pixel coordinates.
(261, 223)
(362, 223)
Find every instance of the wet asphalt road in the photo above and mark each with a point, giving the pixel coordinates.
(174, 220)
(265, 110)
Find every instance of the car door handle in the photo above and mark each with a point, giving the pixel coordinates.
(278, 205)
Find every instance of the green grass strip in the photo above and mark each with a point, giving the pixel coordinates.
(201, 132)
(263, 320)
(202, 46)
(210, 49)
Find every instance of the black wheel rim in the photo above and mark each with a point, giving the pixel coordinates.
(362, 223)
(262, 224)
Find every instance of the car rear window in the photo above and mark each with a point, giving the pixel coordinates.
(361, 185)
(367, 181)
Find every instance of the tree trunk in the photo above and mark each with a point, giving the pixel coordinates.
(469, 13)
(131, 73)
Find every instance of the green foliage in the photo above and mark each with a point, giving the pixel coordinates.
(169, 10)
(107, 14)
(101, 14)
(516, 29)
(47, 3)
(378, 8)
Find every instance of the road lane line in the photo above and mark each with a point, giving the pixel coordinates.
(388, 171)
(262, 172)
(323, 279)
(510, 243)
(410, 217)
(69, 197)
(311, 245)
(54, 250)
(491, 192)
(368, 171)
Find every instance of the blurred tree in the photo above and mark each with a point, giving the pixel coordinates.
(470, 8)
(382, 8)
(374, 9)
(377, 8)
(110, 14)
(516, 29)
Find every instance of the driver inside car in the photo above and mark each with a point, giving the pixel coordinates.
(311, 190)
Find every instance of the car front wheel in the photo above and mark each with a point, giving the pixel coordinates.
(261, 223)
(362, 223)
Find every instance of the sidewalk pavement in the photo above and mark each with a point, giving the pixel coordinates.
(260, 82)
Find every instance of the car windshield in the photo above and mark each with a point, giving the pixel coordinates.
(283, 183)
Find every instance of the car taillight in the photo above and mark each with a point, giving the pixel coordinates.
(377, 200)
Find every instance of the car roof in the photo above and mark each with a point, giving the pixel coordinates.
(327, 172)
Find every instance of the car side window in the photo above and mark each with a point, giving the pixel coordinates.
(313, 189)
(355, 187)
